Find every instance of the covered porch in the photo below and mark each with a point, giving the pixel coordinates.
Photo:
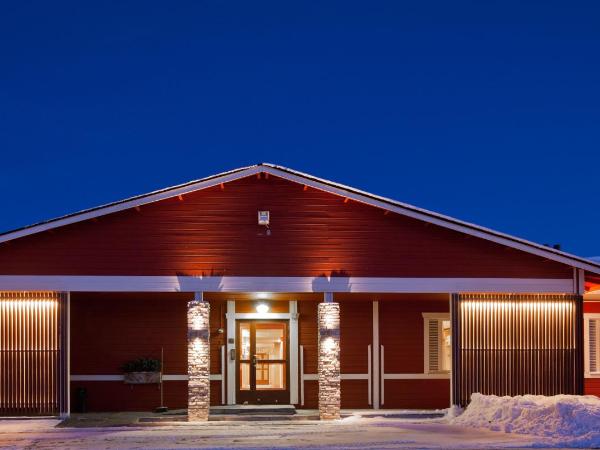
(392, 347)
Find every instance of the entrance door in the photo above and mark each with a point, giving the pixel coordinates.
(262, 362)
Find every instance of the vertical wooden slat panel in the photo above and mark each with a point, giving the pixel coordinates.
(517, 344)
(32, 378)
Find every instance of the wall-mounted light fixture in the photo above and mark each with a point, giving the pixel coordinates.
(263, 218)
(262, 308)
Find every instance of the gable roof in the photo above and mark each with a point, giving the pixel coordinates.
(321, 184)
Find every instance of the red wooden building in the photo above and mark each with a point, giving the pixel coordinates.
(315, 293)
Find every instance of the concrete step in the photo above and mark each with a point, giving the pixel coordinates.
(260, 410)
(254, 413)
(261, 417)
(232, 418)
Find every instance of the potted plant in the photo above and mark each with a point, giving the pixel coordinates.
(142, 371)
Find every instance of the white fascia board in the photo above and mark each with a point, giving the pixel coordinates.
(132, 203)
(433, 218)
(75, 283)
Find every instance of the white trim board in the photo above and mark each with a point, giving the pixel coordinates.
(213, 377)
(586, 344)
(292, 317)
(387, 376)
(343, 376)
(324, 185)
(416, 376)
(84, 283)
(265, 316)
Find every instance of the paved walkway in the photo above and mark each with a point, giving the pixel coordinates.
(350, 433)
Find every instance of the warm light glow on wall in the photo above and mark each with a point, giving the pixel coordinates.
(505, 306)
(32, 362)
(262, 308)
(197, 323)
(25, 304)
(515, 344)
(197, 344)
(519, 324)
(329, 344)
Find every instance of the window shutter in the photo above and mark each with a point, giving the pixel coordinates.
(593, 344)
(433, 343)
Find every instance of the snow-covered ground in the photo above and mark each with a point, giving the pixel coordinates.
(350, 433)
(568, 420)
(488, 423)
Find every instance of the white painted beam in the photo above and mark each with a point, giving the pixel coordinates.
(84, 283)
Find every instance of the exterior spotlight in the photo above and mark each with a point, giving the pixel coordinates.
(262, 295)
(262, 308)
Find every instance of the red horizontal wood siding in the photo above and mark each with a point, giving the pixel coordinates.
(417, 394)
(355, 394)
(591, 307)
(108, 330)
(308, 333)
(356, 334)
(401, 332)
(117, 396)
(215, 232)
(591, 386)
(311, 394)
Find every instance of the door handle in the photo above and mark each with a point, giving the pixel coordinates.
(254, 360)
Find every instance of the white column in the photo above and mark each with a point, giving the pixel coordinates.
(293, 308)
(451, 343)
(329, 359)
(230, 349)
(376, 375)
(66, 409)
(198, 359)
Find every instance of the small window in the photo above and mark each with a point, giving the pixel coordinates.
(438, 344)
(593, 345)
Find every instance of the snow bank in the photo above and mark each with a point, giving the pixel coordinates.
(569, 419)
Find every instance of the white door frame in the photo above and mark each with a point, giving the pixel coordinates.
(291, 316)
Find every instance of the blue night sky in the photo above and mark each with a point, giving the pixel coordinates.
(485, 111)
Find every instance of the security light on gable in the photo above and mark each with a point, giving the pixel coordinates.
(263, 218)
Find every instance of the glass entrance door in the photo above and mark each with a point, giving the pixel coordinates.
(262, 366)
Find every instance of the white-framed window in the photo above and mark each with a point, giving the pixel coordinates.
(438, 342)
(592, 344)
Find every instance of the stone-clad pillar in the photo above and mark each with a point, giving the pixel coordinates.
(329, 360)
(198, 360)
